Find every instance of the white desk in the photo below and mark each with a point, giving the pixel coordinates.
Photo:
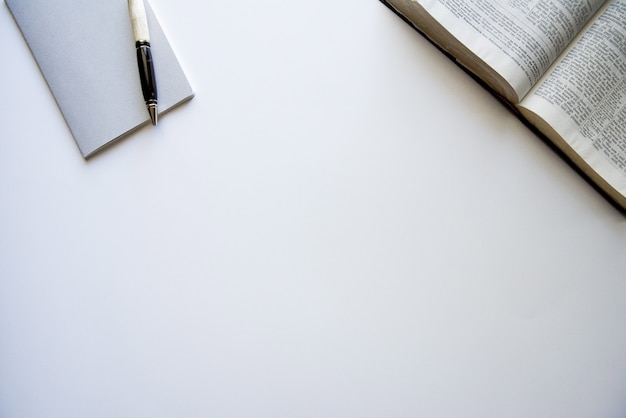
(341, 223)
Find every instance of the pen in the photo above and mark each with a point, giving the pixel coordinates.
(144, 56)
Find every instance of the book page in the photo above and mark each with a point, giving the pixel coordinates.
(519, 39)
(583, 99)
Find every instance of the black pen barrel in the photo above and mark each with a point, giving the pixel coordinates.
(146, 72)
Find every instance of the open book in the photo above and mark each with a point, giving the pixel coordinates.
(560, 63)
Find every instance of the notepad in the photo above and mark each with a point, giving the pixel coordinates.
(86, 53)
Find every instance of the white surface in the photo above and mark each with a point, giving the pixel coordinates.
(340, 224)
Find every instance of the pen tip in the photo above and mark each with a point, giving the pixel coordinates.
(153, 114)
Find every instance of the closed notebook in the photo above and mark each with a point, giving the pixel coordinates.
(86, 52)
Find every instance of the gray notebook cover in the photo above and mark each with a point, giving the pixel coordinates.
(86, 52)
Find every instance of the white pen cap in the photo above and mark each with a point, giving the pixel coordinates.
(139, 20)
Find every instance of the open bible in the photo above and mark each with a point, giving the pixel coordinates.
(561, 64)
